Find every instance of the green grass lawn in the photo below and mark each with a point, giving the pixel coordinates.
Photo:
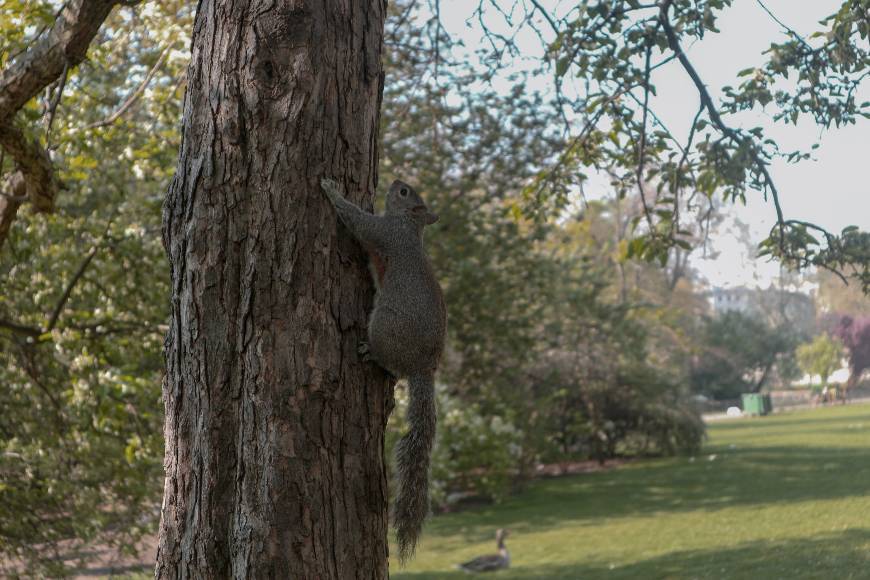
(778, 497)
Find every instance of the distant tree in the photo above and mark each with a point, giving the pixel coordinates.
(855, 336)
(738, 355)
(820, 357)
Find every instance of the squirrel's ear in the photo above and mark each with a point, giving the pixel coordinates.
(430, 218)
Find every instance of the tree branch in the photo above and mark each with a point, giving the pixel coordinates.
(65, 45)
(134, 96)
(790, 31)
(641, 153)
(53, 54)
(707, 101)
(34, 165)
(31, 331)
(53, 107)
(69, 288)
(546, 16)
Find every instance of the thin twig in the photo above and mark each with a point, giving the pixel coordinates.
(134, 96)
(20, 328)
(53, 108)
(687, 148)
(395, 28)
(761, 166)
(791, 32)
(546, 15)
(590, 124)
(437, 43)
(560, 97)
(69, 288)
(641, 155)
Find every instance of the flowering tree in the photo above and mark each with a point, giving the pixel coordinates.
(855, 335)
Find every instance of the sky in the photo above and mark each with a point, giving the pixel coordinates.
(831, 189)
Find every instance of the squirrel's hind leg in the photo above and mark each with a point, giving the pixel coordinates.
(367, 356)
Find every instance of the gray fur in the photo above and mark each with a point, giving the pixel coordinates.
(406, 334)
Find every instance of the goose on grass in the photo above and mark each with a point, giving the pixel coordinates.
(490, 562)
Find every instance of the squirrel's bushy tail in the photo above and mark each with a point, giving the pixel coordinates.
(412, 465)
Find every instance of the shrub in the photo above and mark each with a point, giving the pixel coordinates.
(473, 452)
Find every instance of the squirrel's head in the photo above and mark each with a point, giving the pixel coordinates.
(403, 200)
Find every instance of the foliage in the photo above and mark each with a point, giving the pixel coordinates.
(473, 452)
(637, 412)
(729, 512)
(820, 357)
(606, 54)
(739, 354)
(83, 306)
(593, 389)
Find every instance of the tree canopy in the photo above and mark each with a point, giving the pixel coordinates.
(603, 55)
(820, 357)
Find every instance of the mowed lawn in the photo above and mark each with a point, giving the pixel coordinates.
(786, 496)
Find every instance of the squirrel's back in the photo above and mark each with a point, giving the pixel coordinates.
(406, 332)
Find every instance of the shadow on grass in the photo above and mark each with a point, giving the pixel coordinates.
(723, 477)
(843, 556)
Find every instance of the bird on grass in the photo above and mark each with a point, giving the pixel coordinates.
(490, 562)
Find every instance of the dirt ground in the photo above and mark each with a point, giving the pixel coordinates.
(105, 562)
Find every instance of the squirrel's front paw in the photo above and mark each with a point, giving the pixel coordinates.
(330, 187)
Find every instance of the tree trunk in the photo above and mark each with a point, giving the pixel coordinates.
(759, 384)
(274, 427)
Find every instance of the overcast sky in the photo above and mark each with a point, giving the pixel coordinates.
(832, 189)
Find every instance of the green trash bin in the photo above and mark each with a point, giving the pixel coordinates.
(756, 404)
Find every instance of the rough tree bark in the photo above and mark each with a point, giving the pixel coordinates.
(274, 427)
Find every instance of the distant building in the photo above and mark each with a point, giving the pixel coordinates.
(775, 305)
(741, 299)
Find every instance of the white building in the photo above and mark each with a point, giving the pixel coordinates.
(775, 305)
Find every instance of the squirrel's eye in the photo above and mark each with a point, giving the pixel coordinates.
(403, 192)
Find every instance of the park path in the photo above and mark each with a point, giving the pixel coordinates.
(711, 417)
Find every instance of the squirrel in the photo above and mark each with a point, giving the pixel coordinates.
(406, 334)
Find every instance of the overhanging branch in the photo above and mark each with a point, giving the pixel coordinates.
(54, 54)
(31, 331)
(65, 45)
(713, 112)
